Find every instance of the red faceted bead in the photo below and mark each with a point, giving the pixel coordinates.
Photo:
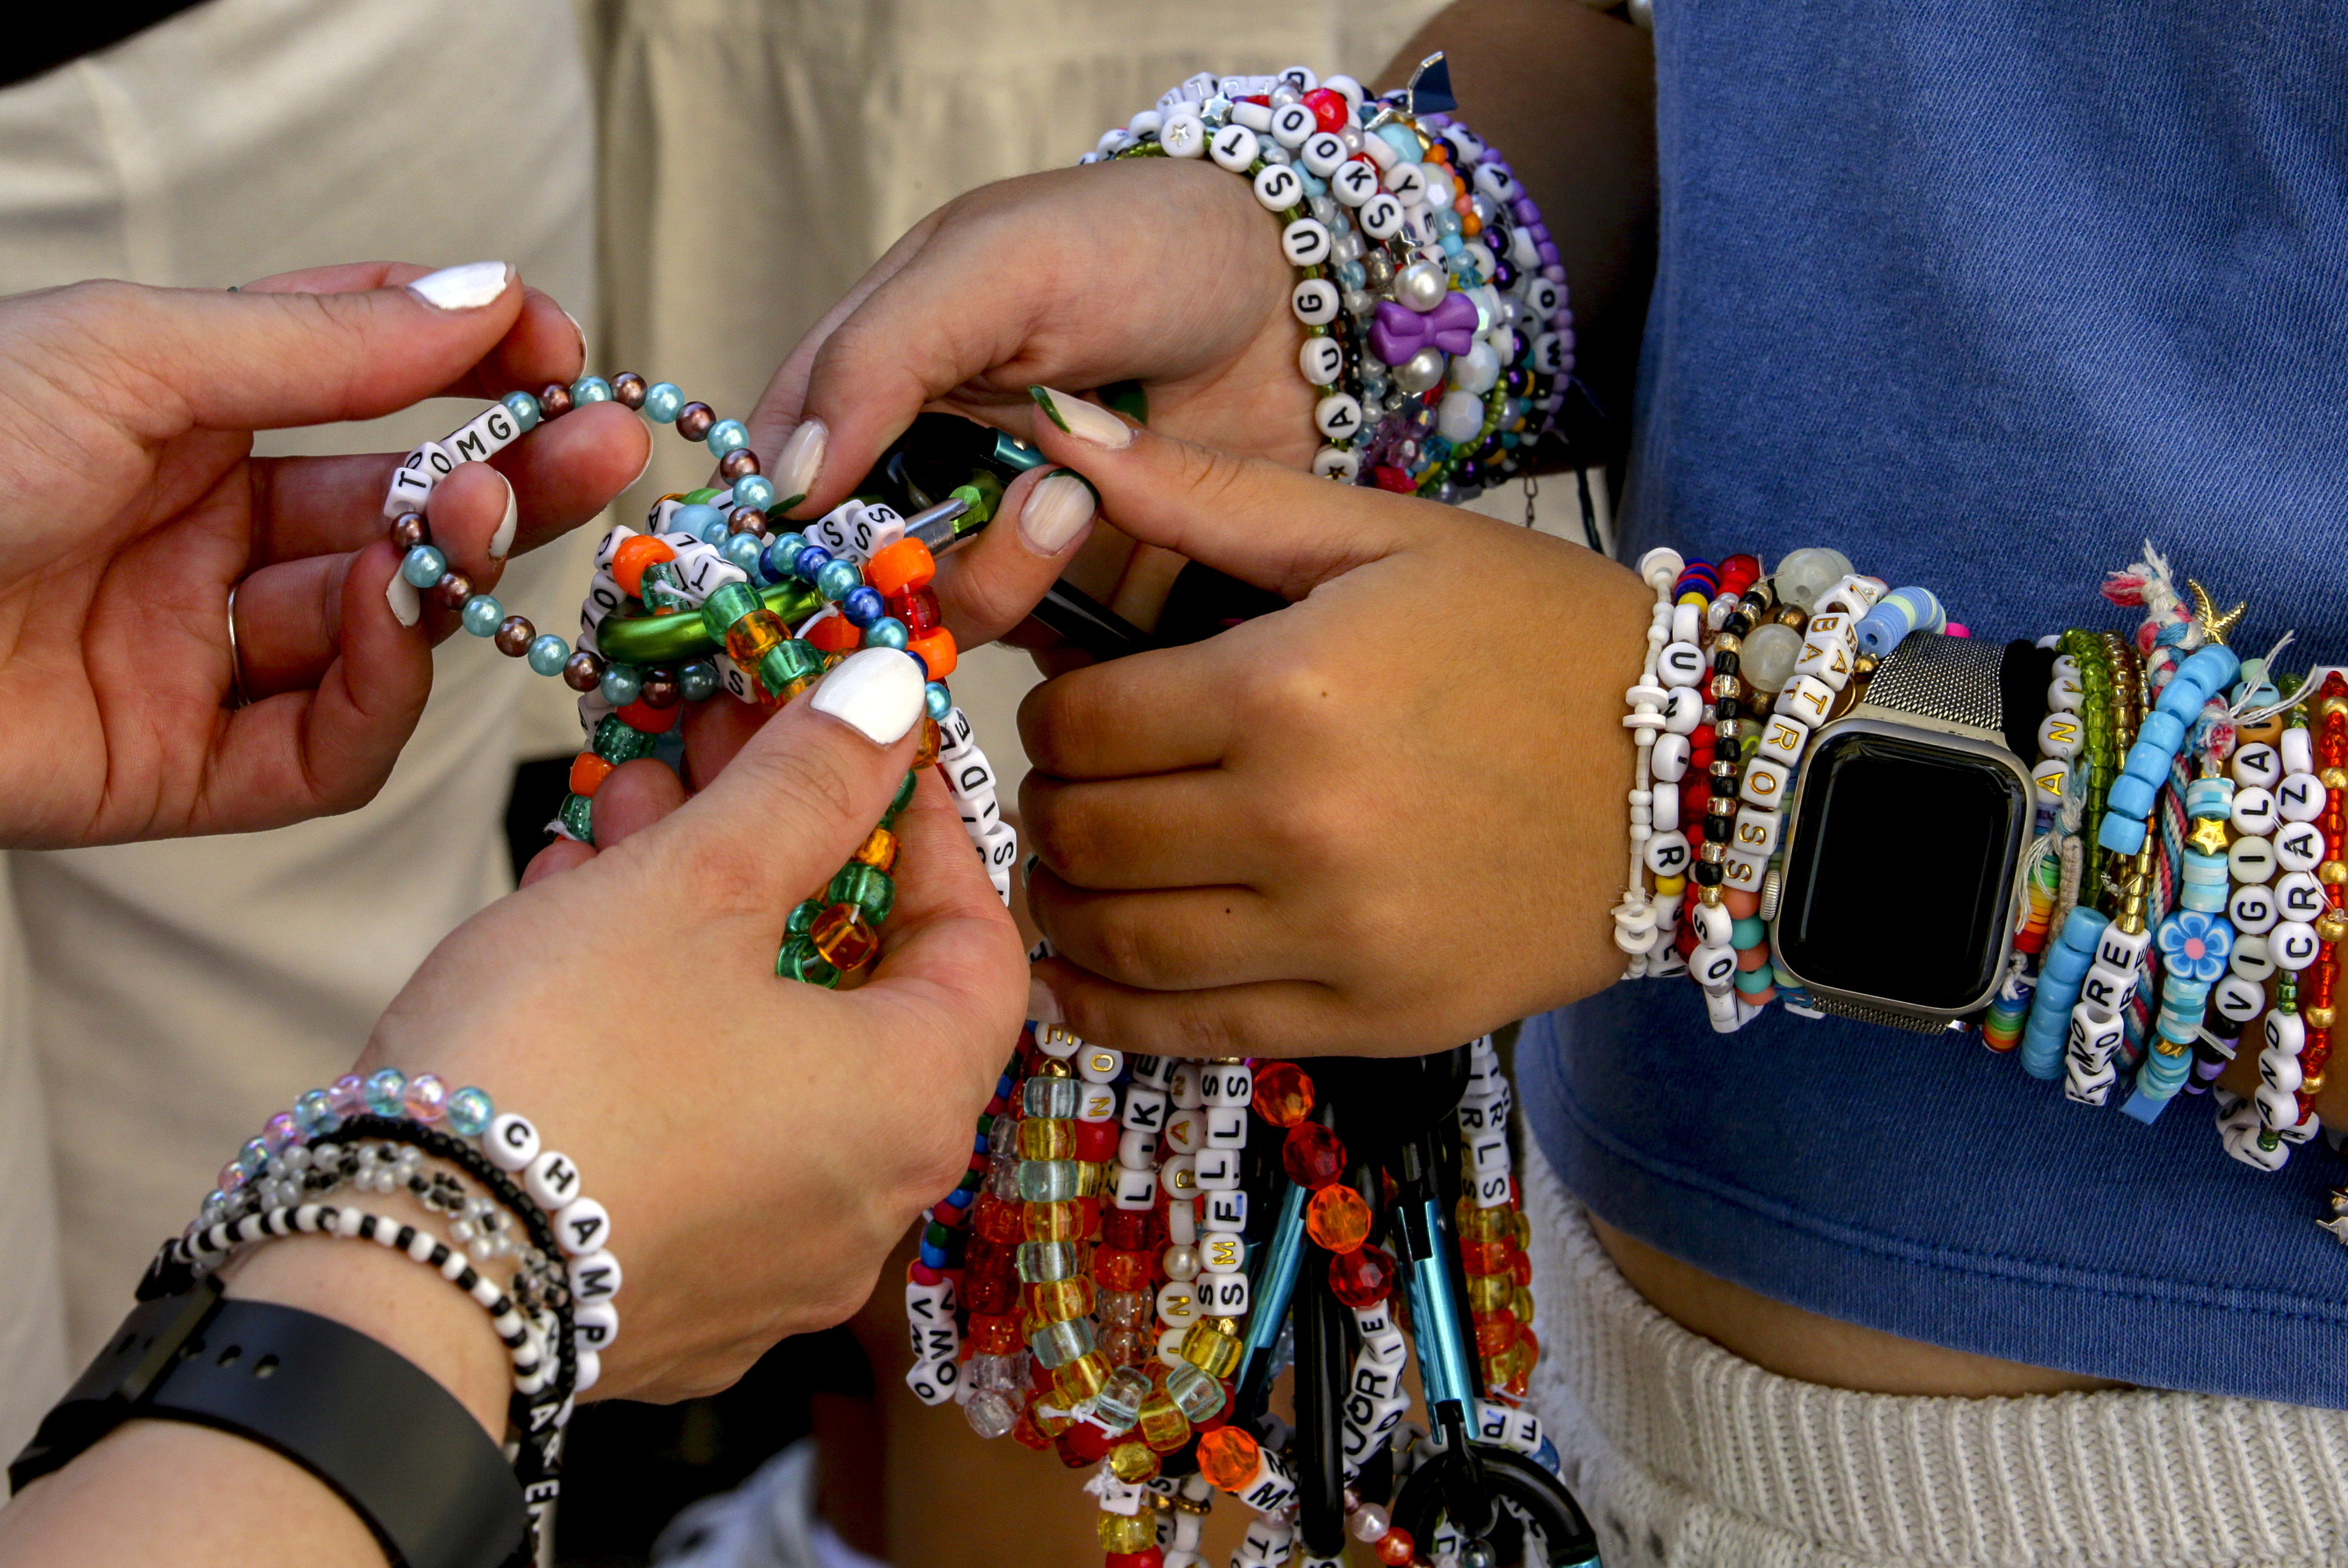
(1398, 480)
(1313, 1156)
(1395, 1548)
(1330, 109)
(1097, 1141)
(1363, 1277)
(1283, 1094)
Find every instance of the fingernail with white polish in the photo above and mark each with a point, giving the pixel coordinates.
(407, 605)
(1043, 1007)
(502, 540)
(580, 330)
(877, 692)
(1058, 510)
(801, 458)
(466, 287)
(1087, 422)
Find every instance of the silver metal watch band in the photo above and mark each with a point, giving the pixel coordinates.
(1916, 1023)
(1951, 683)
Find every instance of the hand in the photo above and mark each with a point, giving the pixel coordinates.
(1159, 270)
(132, 505)
(1384, 819)
(761, 1144)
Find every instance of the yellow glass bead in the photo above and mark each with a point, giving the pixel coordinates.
(1524, 1224)
(925, 751)
(1057, 1301)
(1133, 1462)
(1051, 1221)
(1092, 1178)
(1210, 1349)
(844, 937)
(1080, 1379)
(1521, 1302)
(1050, 1425)
(1487, 1225)
(1163, 1425)
(1489, 1293)
(750, 639)
(1126, 1533)
(878, 850)
(1046, 1138)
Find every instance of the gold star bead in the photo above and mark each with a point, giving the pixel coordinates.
(2213, 624)
(2209, 835)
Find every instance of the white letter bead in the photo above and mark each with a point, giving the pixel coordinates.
(1099, 1064)
(1680, 664)
(2122, 949)
(1757, 831)
(2237, 999)
(1137, 1149)
(1669, 759)
(1408, 182)
(1221, 1294)
(1807, 699)
(1095, 1101)
(2048, 780)
(1764, 783)
(1292, 124)
(2252, 910)
(2300, 896)
(512, 1142)
(1145, 1108)
(1321, 359)
(1215, 1170)
(933, 1382)
(2107, 987)
(1663, 811)
(1178, 1304)
(1745, 870)
(1381, 216)
(1713, 925)
(1667, 855)
(1221, 1252)
(2300, 797)
(2298, 847)
(1306, 242)
(2254, 811)
(1182, 1086)
(1227, 1210)
(1316, 302)
(1322, 154)
(595, 1326)
(488, 433)
(2258, 764)
(1682, 710)
(2252, 960)
(552, 1180)
(1713, 967)
(1182, 134)
(595, 1277)
(1135, 1190)
(2297, 746)
(1338, 416)
(1829, 661)
(582, 1226)
(1278, 186)
(1233, 148)
(1355, 182)
(1226, 1083)
(1227, 1127)
(1783, 740)
(969, 774)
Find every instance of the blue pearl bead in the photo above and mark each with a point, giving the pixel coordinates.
(662, 401)
(470, 1112)
(863, 605)
(590, 389)
(810, 560)
(547, 655)
(696, 519)
(937, 700)
(753, 489)
(744, 549)
(483, 615)
(523, 408)
(386, 1092)
(621, 684)
(716, 533)
(836, 579)
(424, 566)
(888, 632)
(725, 435)
(920, 664)
(779, 553)
(698, 682)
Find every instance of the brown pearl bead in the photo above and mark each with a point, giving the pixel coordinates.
(582, 671)
(693, 421)
(660, 689)
(452, 592)
(628, 389)
(515, 634)
(746, 519)
(740, 461)
(409, 529)
(554, 400)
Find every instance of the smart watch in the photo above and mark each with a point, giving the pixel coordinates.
(1896, 902)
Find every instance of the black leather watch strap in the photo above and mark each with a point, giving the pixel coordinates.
(392, 1442)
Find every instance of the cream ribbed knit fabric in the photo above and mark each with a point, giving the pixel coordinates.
(1686, 1455)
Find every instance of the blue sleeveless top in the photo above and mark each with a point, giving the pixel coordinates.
(1984, 296)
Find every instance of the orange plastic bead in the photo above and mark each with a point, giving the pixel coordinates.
(1484, 1257)
(1056, 1223)
(1283, 1093)
(1229, 1458)
(749, 639)
(1740, 904)
(937, 651)
(904, 564)
(588, 772)
(835, 634)
(1495, 1331)
(628, 562)
(878, 850)
(1337, 1219)
(841, 935)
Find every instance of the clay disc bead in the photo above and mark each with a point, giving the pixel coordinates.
(409, 529)
(515, 634)
(554, 400)
(741, 461)
(628, 389)
(452, 592)
(582, 671)
(746, 519)
(693, 421)
(660, 689)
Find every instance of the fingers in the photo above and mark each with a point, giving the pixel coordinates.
(1273, 526)
(989, 586)
(1171, 830)
(1273, 1018)
(1155, 712)
(1178, 939)
(558, 857)
(632, 798)
(543, 345)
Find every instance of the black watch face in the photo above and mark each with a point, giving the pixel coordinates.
(1898, 870)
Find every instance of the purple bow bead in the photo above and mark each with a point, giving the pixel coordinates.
(1400, 332)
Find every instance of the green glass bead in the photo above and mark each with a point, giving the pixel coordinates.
(799, 960)
(802, 917)
(788, 661)
(903, 797)
(578, 818)
(728, 604)
(867, 888)
(618, 741)
(703, 496)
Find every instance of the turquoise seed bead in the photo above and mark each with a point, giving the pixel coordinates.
(621, 684)
(753, 489)
(725, 435)
(696, 519)
(424, 566)
(386, 1091)
(662, 401)
(888, 632)
(835, 580)
(937, 700)
(523, 408)
(698, 682)
(590, 389)
(483, 615)
(1749, 932)
(470, 1112)
(1753, 982)
(548, 654)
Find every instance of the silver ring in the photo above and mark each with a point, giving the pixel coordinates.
(237, 696)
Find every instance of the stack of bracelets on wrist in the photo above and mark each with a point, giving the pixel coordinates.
(712, 596)
(523, 1240)
(1432, 296)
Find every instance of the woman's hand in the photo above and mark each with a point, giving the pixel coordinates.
(1385, 819)
(761, 1144)
(131, 506)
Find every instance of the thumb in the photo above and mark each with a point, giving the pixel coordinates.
(1273, 526)
(264, 360)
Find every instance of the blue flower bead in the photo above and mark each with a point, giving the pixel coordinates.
(2195, 945)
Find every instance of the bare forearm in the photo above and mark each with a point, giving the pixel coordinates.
(1568, 95)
